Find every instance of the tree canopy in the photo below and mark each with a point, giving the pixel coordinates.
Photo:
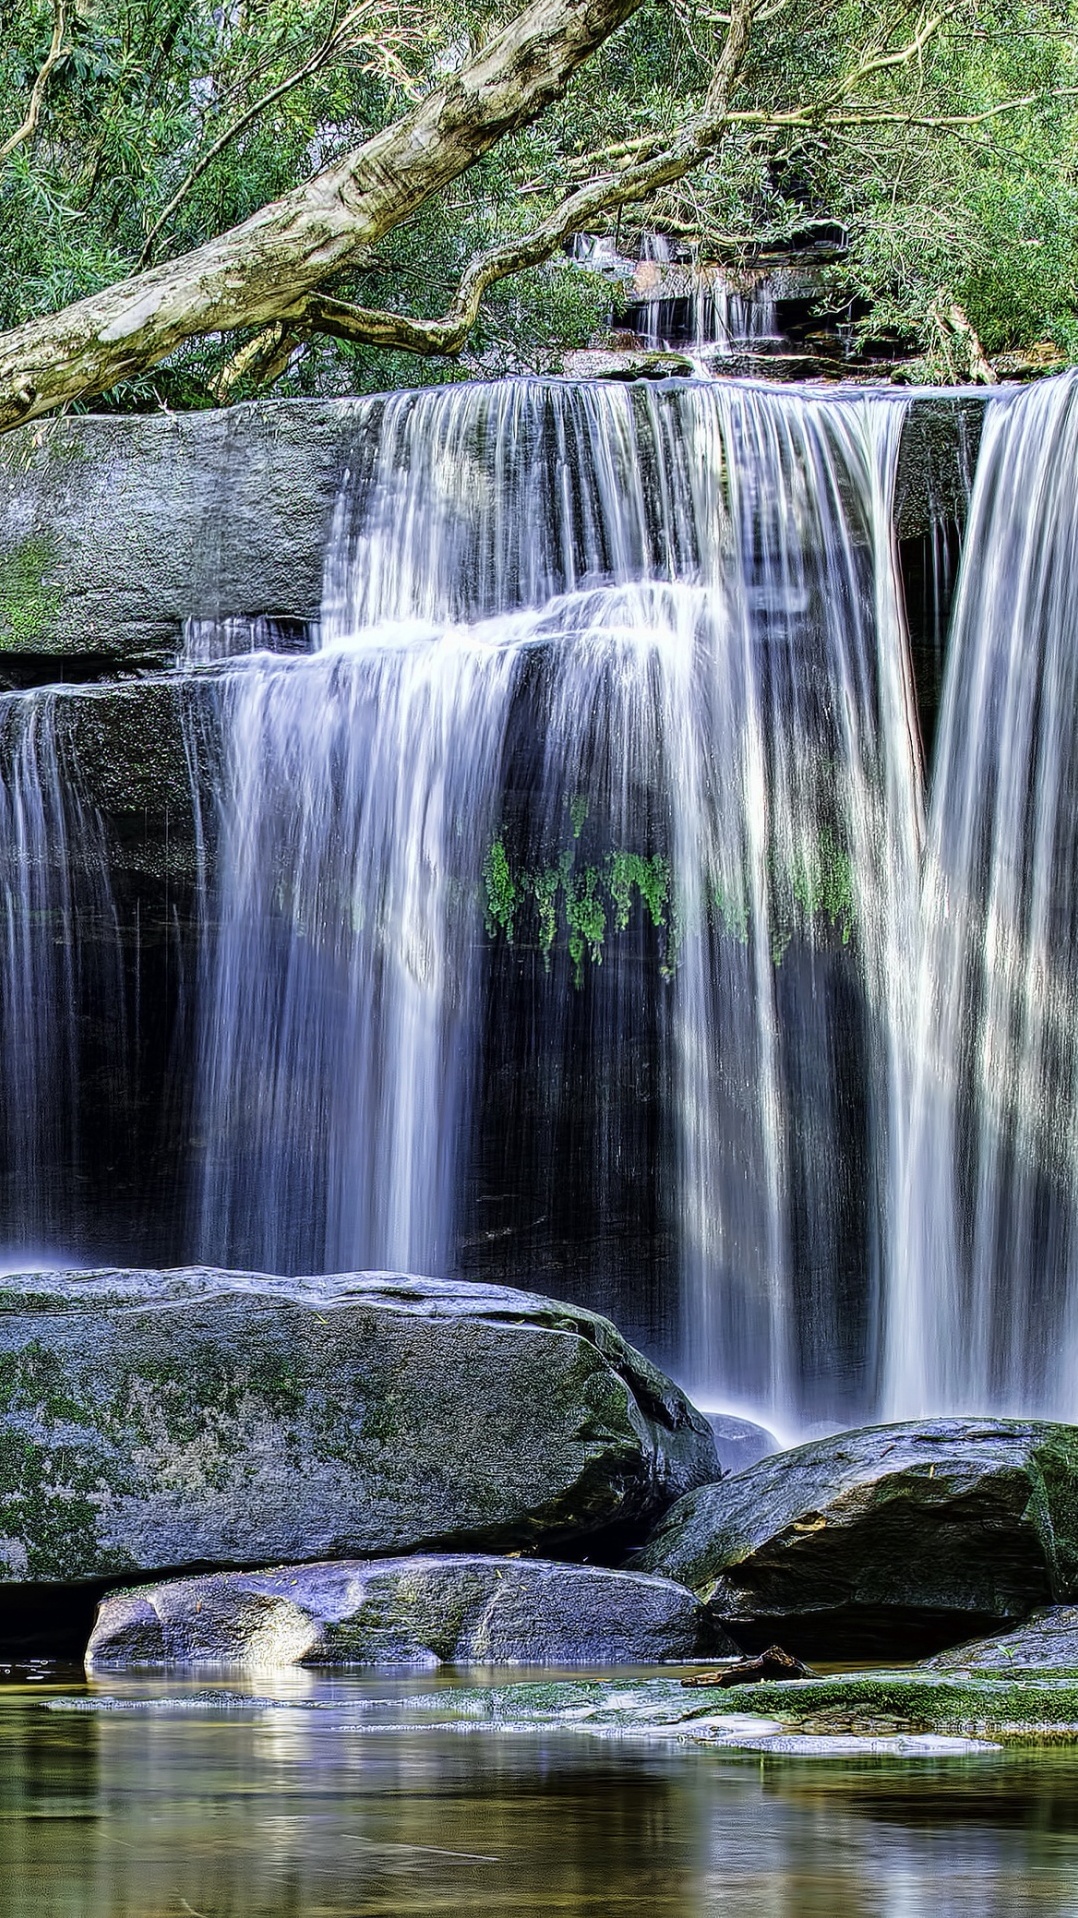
(204, 201)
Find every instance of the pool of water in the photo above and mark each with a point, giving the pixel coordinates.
(158, 1799)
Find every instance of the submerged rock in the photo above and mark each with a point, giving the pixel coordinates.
(893, 1540)
(897, 1714)
(740, 1443)
(454, 1610)
(151, 1421)
(1048, 1641)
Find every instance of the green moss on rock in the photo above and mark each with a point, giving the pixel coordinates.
(28, 604)
(1001, 1708)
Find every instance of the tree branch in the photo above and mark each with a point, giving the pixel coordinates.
(57, 52)
(255, 272)
(339, 39)
(316, 312)
(268, 273)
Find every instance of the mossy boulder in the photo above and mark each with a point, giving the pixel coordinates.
(894, 1540)
(155, 1421)
(457, 1609)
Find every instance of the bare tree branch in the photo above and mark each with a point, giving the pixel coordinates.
(269, 273)
(57, 52)
(316, 312)
(254, 273)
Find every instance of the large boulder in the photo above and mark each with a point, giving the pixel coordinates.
(1047, 1642)
(154, 1421)
(423, 1611)
(889, 1541)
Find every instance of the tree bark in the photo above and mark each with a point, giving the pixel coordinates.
(264, 269)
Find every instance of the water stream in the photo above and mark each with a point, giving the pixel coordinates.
(984, 1294)
(323, 1801)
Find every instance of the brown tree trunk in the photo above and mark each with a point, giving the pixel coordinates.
(259, 271)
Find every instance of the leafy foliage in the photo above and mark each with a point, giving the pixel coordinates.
(810, 888)
(167, 121)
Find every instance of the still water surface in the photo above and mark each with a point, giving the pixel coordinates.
(318, 1801)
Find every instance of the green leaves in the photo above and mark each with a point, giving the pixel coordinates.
(808, 894)
(168, 121)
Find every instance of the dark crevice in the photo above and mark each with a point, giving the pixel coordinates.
(24, 672)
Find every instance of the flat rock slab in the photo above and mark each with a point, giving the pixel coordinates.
(153, 1422)
(945, 1717)
(894, 1540)
(453, 1610)
(1047, 1642)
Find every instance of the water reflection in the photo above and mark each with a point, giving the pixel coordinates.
(319, 1803)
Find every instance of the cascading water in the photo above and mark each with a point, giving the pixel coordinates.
(984, 1297)
(59, 952)
(706, 310)
(610, 722)
(799, 839)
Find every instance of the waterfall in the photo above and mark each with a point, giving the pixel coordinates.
(800, 828)
(984, 1298)
(574, 874)
(59, 955)
(704, 309)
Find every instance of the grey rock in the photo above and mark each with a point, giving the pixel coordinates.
(893, 1540)
(1048, 1641)
(422, 1611)
(153, 1421)
(739, 1442)
(936, 460)
(144, 522)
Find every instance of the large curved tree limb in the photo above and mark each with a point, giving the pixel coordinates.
(249, 275)
(268, 273)
(343, 35)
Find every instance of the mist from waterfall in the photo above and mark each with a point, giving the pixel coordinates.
(611, 698)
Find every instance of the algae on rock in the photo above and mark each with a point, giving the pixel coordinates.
(29, 599)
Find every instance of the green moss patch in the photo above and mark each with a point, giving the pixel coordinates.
(1007, 1708)
(28, 605)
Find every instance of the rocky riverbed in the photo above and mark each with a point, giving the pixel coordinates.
(373, 1470)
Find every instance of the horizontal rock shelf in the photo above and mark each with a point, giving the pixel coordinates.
(422, 1611)
(116, 529)
(894, 1540)
(896, 1714)
(157, 1421)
